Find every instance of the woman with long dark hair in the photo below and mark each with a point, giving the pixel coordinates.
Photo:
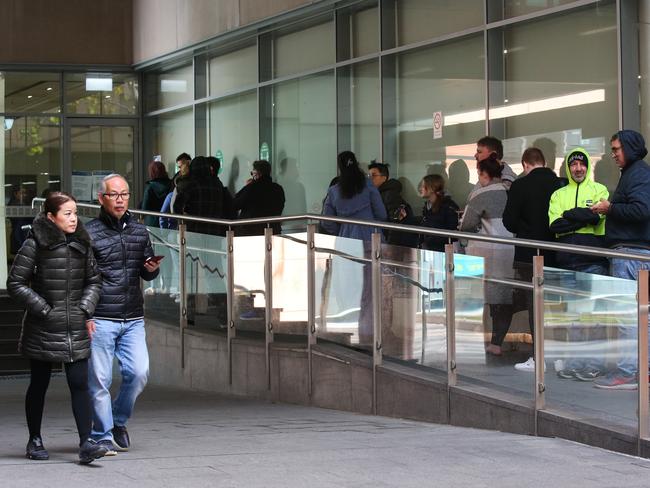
(55, 277)
(353, 197)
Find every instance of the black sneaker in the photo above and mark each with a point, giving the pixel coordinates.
(589, 374)
(91, 450)
(121, 437)
(567, 373)
(36, 450)
(108, 444)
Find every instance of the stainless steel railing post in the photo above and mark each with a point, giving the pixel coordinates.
(642, 312)
(311, 301)
(268, 299)
(538, 310)
(376, 314)
(230, 298)
(450, 315)
(182, 288)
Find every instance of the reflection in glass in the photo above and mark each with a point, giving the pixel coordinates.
(97, 151)
(120, 99)
(359, 110)
(302, 124)
(418, 20)
(161, 296)
(233, 70)
(169, 135)
(357, 30)
(30, 92)
(417, 84)
(234, 136)
(169, 88)
(304, 49)
(590, 326)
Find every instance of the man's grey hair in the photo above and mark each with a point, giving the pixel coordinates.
(102, 188)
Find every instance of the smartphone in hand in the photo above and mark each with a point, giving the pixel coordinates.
(154, 259)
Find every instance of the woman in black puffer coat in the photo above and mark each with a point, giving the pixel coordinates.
(54, 275)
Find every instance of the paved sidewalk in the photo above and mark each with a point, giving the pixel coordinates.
(189, 439)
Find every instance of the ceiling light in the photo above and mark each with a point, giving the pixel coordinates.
(49, 88)
(99, 82)
(30, 96)
(107, 96)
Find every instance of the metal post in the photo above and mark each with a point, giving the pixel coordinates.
(376, 314)
(425, 296)
(182, 251)
(311, 301)
(268, 299)
(450, 314)
(642, 299)
(538, 310)
(230, 298)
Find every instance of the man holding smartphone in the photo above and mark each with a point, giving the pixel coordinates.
(124, 255)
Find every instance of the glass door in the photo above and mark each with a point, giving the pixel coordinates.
(97, 148)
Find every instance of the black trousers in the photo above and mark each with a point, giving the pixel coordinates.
(77, 376)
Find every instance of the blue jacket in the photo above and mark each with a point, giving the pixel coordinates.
(120, 249)
(366, 205)
(628, 219)
(166, 222)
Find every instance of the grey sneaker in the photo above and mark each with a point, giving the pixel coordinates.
(589, 374)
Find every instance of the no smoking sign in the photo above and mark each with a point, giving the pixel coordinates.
(437, 125)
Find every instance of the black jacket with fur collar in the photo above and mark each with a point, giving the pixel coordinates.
(57, 280)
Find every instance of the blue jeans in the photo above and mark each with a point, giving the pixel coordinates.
(628, 269)
(126, 341)
(576, 334)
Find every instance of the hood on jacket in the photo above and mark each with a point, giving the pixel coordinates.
(47, 234)
(390, 185)
(160, 186)
(586, 157)
(633, 146)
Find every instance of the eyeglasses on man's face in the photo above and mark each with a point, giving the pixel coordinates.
(114, 195)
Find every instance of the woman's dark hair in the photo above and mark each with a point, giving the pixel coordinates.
(157, 170)
(54, 201)
(491, 166)
(351, 178)
(215, 165)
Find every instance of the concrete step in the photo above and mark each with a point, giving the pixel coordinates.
(8, 347)
(10, 332)
(11, 363)
(11, 316)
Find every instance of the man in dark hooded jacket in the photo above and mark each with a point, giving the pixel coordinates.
(628, 230)
(390, 191)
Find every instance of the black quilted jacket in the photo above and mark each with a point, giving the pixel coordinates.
(120, 250)
(59, 284)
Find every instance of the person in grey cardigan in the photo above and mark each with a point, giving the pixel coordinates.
(484, 215)
(55, 277)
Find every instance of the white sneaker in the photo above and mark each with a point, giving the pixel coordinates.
(528, 365)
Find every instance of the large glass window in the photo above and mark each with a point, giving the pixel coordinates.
(418, 20)
(357, 30)
(305, 49)
(169, 135)
(30, 92)
(512, 8)
(359, 110)
(169, 88)
(101, 94)
(232, 70)
(301, 119)
(233, 137)
(447, 79)
(555, 86)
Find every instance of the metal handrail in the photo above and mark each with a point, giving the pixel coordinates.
(413, 229)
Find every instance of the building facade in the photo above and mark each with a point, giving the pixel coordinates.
(413, 83)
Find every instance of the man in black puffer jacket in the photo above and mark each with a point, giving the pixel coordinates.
(122, 249)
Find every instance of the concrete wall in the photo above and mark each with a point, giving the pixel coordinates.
(66, 31)
(342, 380)
(163, 26)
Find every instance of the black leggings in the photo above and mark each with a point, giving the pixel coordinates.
(77, 376)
